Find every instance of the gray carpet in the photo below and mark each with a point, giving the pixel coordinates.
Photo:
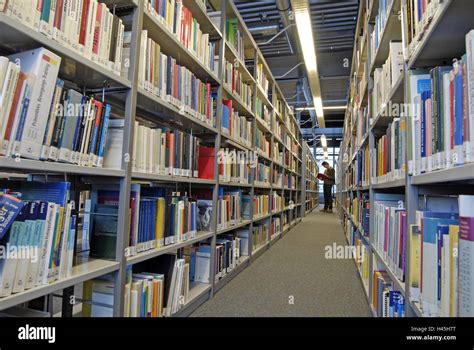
(295, 267)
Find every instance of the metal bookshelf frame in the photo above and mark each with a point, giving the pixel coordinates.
(135, 100)
(450, 17)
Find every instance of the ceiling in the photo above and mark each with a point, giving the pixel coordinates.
(334, 25)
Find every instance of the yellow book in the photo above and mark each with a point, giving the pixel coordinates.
(160, 222)
(453, 272)
(55, 248)
(415, 262)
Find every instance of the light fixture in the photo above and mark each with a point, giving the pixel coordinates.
(326, 155)
(324, 142)
(328, 108)
(302, 19)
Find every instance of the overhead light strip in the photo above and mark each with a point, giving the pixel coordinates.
(302, 19)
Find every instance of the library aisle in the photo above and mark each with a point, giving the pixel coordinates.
(295, 267)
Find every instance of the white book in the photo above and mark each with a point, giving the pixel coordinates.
(90, 28)
(469, 144)
(135, 148)
(45, 254)
(7, 93)
(151, 151)
(36, 13)
(114, 145)
(119, 49)
(8, 267)
(90, 120)
(466, 256)
(44, 65)
(445, 276)
(18, 10)
(172, 291)
(63, 254)
(127, 296)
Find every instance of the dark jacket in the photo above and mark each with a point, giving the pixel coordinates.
(331, 174)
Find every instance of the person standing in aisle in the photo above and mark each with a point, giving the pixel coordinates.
(329, 181)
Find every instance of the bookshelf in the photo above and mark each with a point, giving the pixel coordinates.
(432, 40)
(288, 174)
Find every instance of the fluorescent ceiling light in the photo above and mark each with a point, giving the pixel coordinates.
(328, 108)
(325, 155)
(302, 19)
(324, 142)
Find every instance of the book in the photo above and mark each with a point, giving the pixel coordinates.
(175, 83)
(39, 237)
(186, 28)
(76, 25)
(466, 253)
(321, 176)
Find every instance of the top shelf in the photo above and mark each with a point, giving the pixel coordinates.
(391, 32)
(170, 45)
(205, 23)
(15, 36)
(437, 44)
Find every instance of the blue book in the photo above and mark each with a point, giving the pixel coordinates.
(55, 192)
(425, 95)
(10, 207)
(104, 125)
(442, 231)
(458, 114)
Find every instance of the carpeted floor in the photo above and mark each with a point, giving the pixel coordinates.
(293, 278)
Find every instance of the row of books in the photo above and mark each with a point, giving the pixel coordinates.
(260, 234)
(38, 234)
(164, 151)
(229, 250)
(233, 207)
(275, 228)
(261, 143)
(262, 79)
(234, 166)
(389, 163)
(236, 126)
(179, 20)
(277, 202)
(386, 77)
(41, 119)
(277, 177)
(261, 205)
(235, 37)
(361, 120)
(387, 301)
(378, 29)
(441, 134)
(390, 233)
(233, 79)
(289, 181)
(277, 155)
(360, 211)
(419, 14)
(362, 164)
(163, 76)
(262, 174)
(441, 253)
(88, 27)
(263, 112)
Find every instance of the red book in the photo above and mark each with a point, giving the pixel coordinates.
(171, 148)
(85, 11)
(98, 20)
(206, 162)
(451, 108)
(58, 14)
(15, 106)
(322, 176)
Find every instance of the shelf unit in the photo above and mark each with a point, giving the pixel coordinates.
(449, 17)
(133, 100)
